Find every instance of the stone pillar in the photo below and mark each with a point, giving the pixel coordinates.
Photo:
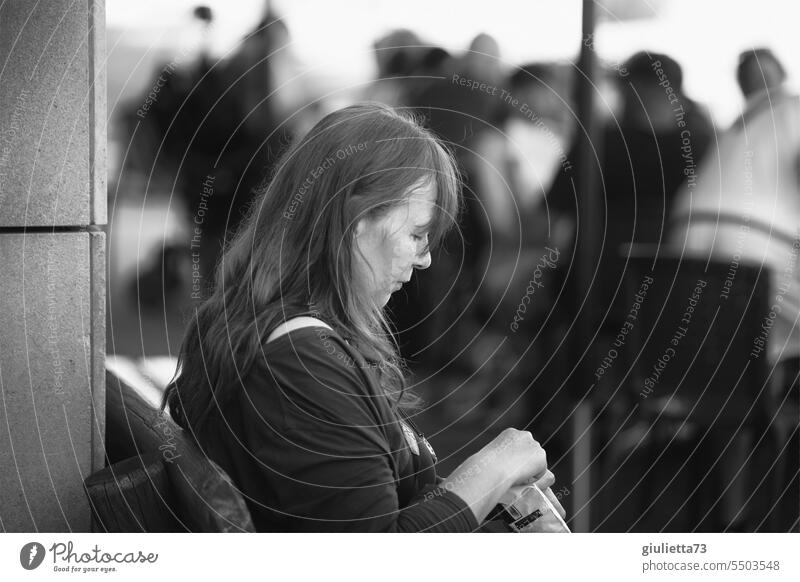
(52, 260)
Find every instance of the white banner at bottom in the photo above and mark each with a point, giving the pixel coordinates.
(387, 557)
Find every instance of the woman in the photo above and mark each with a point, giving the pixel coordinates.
(288, 374)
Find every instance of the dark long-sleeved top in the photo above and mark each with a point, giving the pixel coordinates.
(313, 443)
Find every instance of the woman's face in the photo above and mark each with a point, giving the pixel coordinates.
(394, 244)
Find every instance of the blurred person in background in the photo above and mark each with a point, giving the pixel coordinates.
(240, 132)
(642, 158)
(218, 127)
(456, 110)
(523, 152)
(758, 73)
(540, 129)
(289, 378)
(397, 56)
(646, 156)
(746, 201)
(745, 207)
(519, 156)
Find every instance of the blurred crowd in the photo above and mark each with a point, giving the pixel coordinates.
(213, 129)
(502, 294)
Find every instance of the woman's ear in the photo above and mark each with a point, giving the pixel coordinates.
(369, 227)
(361, 226)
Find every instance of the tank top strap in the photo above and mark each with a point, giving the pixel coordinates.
(309, 310)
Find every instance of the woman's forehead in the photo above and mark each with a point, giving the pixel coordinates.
(421, 202)
(417, 209)
(424, 192)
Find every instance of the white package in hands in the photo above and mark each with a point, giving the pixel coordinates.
(528, 509)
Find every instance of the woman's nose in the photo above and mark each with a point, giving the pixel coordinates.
(423, 261)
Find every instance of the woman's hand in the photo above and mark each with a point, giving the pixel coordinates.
(517, 455)
(545, 481)
(512, 458)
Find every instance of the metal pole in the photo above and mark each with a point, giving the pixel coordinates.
(587, 243)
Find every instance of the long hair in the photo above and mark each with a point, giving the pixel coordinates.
(295, 250)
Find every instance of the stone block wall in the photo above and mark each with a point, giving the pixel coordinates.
(52, 260)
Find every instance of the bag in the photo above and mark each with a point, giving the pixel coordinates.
(528, 509)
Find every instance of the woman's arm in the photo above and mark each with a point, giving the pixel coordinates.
(338, 480)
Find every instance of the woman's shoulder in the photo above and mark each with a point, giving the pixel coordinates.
(313, 373)
(314, 354)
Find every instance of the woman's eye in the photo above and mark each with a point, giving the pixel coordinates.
(423, 239)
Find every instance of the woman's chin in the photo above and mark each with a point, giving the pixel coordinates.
(382, 298)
